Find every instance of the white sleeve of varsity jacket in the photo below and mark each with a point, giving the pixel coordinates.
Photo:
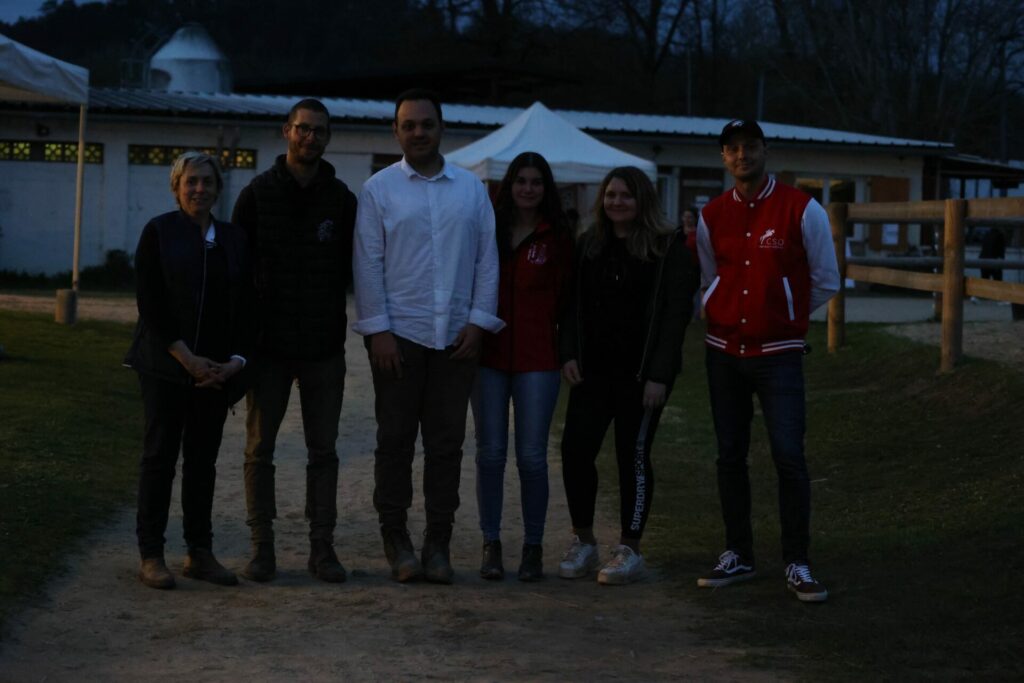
(706, 254)
(821, 254)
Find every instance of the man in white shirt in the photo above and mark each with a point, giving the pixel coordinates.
(426, 283)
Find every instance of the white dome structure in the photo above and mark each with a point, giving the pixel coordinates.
(190, 62)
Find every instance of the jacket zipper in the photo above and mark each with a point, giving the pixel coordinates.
(202, 299)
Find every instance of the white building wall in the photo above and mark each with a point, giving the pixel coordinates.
(37, 198)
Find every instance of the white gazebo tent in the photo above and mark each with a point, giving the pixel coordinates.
(27, 75)
(574, 156)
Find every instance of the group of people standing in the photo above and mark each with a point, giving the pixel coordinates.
(467, 302)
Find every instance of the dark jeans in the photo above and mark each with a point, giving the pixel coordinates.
(321, 389)
(778, 381)
(593, 405)
(432, 396)
(178, 417)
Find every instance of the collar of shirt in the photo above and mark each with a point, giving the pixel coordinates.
(765, 191)
(445, 172)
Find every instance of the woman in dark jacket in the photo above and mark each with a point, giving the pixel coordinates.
(621, 347)
(192, 338)
(520, 364)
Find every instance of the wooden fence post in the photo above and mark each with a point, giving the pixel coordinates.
(953, 284)
(837, 212)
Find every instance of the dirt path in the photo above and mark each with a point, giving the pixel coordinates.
(98, 623)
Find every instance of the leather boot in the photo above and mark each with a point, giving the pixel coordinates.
(324, 564)
(263, 565)
(400, 554)
(203, 566)
(532, 566)
(437, 566)
(490, 564)
(154, 573)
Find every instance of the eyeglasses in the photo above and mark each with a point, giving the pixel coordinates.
(305, 131)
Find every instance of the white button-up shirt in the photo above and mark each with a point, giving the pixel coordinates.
(425, 259)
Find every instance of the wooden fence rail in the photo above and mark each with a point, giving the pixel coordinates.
(954, 215)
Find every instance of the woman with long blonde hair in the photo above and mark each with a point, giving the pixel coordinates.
(621, 348)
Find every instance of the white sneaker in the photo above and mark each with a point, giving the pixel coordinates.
(579, 560)
(625, 567)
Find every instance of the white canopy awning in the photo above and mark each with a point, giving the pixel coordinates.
(27, 75)
(575, 157)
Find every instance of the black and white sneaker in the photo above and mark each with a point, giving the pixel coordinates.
(731, 568)
(799, 580)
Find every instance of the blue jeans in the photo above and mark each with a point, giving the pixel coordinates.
(533, 395)
(778, 381)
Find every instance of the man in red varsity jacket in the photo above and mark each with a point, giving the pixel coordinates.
(767, 261)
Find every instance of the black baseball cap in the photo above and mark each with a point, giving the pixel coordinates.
(747, 126)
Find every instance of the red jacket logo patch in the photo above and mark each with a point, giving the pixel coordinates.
(769, 241)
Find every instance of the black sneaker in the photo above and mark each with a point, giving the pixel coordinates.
(532, 566)
(731, 568)
(490, 564)
(799, 580)
(400, 554)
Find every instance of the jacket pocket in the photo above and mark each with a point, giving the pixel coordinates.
(789, 297)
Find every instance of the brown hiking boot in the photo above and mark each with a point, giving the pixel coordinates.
(324, 564)
(263, 565)
(154, 573)
(437, 566)
(203, 566)
(401, 556)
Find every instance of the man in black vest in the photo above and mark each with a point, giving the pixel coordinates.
(299, 219)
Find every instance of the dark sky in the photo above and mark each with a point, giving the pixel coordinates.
(12, 10)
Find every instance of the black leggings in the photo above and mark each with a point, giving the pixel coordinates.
(593, 405)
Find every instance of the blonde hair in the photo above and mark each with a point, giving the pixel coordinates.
(647, 240)
(194, 158)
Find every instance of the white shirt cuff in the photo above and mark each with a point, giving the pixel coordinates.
(368, 326)
(485, 320)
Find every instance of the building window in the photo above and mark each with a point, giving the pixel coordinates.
(164, 155)
(52, 152)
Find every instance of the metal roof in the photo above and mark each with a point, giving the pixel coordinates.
(353, 110)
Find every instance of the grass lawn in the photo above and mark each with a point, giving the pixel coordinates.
(917, 527)
(69, 439)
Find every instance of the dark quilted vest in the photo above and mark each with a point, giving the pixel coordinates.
(303, 262)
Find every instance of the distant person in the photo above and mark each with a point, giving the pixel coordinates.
(572, 218)
(993, 245)
(520, 363)
(688, 224)
(299, 217)
(194, 334)
(767, 261)
(621, 348)
(426, 279)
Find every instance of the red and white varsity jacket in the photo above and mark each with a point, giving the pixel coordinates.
(766, 263)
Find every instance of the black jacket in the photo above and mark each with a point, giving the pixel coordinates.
(301, 244)
(668, 310)
(170, 262)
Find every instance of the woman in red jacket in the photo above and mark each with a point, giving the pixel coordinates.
(521, 363)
